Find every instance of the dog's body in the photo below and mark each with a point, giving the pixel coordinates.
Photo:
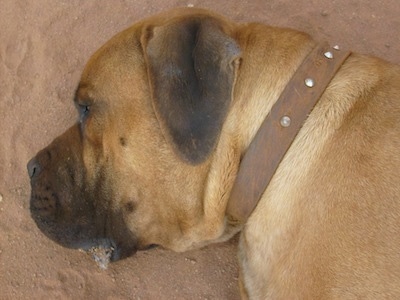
(168, 108)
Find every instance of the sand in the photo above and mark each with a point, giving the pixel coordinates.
(44, 46)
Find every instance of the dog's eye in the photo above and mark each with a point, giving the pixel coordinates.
(83, 112)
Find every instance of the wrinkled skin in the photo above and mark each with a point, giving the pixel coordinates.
(67, 207)
(132, 172)
(168, 108)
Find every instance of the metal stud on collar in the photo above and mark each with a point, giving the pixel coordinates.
(309, 82)
(328, 54)
(285, 121)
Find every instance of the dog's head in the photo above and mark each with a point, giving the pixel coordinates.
(131, 172)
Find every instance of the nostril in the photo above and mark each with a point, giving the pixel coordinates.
(33, 168)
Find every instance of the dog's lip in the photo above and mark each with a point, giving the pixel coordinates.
(118, 250)
(101, 243)
(151, 246)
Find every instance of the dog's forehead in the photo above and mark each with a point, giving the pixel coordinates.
(123, 53)
(82, 92)
(120, 55)
(116, 70)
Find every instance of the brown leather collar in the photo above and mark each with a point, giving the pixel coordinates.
(280, 128)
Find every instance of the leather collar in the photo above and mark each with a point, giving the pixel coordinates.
(280, 128)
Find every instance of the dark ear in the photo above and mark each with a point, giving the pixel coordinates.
(192, 66)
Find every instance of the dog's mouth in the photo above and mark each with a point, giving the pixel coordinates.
(102, 256)
(107, 251)
(72, 212)
(88, 235)
(102, 251)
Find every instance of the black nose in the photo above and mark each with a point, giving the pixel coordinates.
(33, 168)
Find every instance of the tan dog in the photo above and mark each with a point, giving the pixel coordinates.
(167, 109)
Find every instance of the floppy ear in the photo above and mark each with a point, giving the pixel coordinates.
(192, 66)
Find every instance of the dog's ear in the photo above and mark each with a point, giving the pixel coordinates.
(192, 66)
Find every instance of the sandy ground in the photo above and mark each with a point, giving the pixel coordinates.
(43, 49)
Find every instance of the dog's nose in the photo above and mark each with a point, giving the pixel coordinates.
(33, 168)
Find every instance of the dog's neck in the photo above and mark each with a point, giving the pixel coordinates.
(280, 128)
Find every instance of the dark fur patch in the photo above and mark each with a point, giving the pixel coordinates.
(122, 141)
(130, 206)
(192, 71)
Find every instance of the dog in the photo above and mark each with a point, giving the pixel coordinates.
(167, 111)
